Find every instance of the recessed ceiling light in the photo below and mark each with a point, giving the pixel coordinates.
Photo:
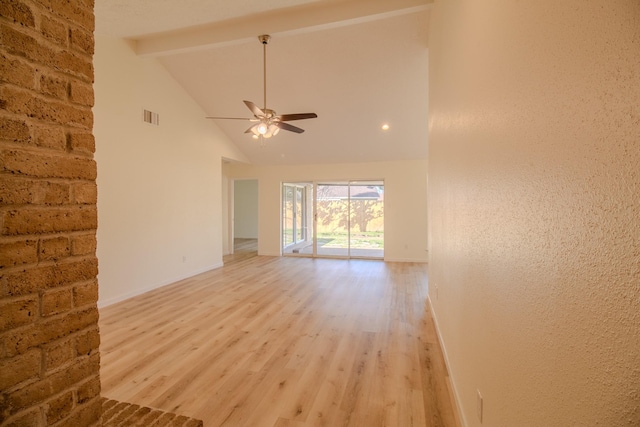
(385, 127)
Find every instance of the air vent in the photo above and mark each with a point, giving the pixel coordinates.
(151, 117)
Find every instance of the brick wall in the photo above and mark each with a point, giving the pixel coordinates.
(49, 359)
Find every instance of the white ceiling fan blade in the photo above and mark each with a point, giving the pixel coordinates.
(297, 116)
(254, 109)
(290, 128)
(230, 118)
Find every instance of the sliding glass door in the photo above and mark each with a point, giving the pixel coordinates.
(338, 219)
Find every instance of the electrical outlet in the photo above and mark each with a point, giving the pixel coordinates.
(479, 406)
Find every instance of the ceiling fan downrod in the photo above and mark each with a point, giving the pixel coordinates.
(264, 39)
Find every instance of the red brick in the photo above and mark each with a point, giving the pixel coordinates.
(51, 276)
(44, 46)
(82, 142)
(82, 40)
(88, 342)
(87, 414)
(21, 368)
(17, 72)
(85, 193)
(21, 44)
(56, 302)
(85, 294)
(14, 130)
(18, 252)
(21, 340)
(82, 94)
(111, 410)
(137, 417)
(84, 244)
(54, 248)
(47, 165)
(15, 313)
(23, 102)
(59, 354)
(30, 418)
(55, 383)
(89, 390)
(59, 407)
(54, 30)
(51, 137)
(80, 14)
(121, 418)
(19, 191)
(54, 86)
(89, 4)
(17, 11)
(165, 419)
(80, 66)
(49, 220)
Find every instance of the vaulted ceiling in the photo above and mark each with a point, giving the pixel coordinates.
(358, 64)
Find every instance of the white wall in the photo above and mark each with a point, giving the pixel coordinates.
(159, 187)
(534, 207)
(227, 198)
(405, 201)
(245, 208)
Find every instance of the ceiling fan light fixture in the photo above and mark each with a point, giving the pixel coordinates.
(272, 131)
(260, 129)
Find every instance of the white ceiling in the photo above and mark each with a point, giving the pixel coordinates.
(356, 63)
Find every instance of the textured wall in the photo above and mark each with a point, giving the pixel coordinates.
(49, 359)
(534, 208)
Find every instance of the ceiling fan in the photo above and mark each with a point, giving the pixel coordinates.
(268, 123)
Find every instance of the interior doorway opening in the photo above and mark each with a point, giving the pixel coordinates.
(245, 215)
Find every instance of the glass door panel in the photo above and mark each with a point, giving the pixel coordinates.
(332, 219)
(296, 217)
(299, 226)
(287, 216)
(366, 236)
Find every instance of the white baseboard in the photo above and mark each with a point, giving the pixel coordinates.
(146, 289)
(456, 396)
(419, 260)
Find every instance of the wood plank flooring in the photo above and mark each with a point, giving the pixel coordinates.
(278, 341)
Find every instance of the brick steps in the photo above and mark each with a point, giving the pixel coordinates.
(121, 414)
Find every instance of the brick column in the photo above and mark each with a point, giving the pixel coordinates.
(49, 355)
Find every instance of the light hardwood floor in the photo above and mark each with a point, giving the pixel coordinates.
(268, 341)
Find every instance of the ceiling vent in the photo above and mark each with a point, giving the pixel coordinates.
(151, 117)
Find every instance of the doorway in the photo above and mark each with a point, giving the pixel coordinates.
(245, 215)
(339, 219)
